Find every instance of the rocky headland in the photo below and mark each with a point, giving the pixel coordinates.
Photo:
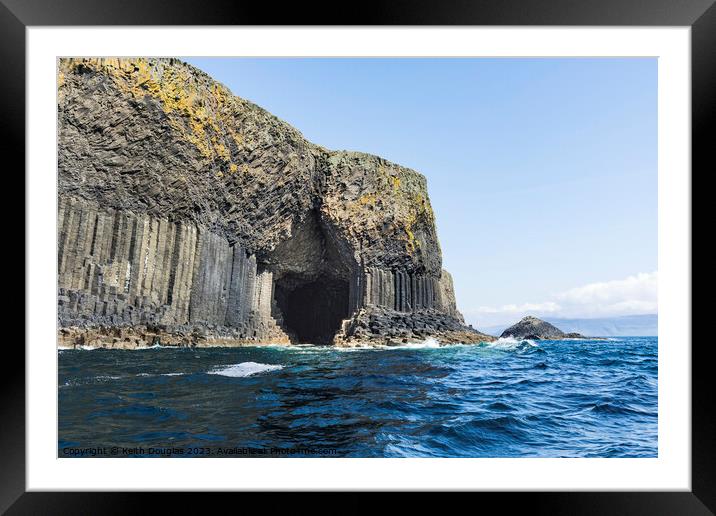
(533, 328)
(188, 216)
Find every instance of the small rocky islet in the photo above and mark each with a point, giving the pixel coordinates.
(532, 328)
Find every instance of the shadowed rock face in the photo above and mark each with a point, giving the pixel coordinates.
(536, 329)
(190, 216)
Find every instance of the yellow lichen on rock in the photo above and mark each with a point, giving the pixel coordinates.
(380, 207)
(203, 117)
(366, 199)
(411, 242)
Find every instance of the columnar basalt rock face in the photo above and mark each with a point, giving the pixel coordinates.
(189, 216)
(119, 269)
(446, 293)
(401, 291)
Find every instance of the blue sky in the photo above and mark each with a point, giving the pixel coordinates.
(542, 172)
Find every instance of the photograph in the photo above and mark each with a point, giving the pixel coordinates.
(357, 257)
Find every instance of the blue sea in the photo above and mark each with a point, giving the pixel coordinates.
(572, 398)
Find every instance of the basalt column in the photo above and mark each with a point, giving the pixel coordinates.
(400, 290)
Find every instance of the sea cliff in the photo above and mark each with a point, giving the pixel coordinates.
(188, 216)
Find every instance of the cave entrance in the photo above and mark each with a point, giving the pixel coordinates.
(312, 312)
(312, 284)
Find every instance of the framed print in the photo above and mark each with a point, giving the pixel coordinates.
(446, 248)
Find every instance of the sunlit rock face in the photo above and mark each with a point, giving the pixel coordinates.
(189, 216)
(536, 329)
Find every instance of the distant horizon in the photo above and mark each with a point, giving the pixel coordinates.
(542, 172)
(618, 326)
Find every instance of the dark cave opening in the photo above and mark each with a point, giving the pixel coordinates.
(312, 312)
(311, 273)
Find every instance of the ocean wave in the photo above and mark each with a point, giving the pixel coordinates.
(510, 343)
(429, 343)
(511, 399)
(89, 380)
(479, 430)
(351, 349)
(500, 406)
(286, 346)
(616, 409)
(137, 348)
(245, 369)
(144, 375)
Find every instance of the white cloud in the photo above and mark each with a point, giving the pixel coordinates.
(629, 296)
(641, 288)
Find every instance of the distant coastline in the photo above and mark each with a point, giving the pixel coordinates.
(643, 325)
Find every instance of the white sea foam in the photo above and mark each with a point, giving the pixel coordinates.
(245, 369)
(138, 348)
(285, 346)
(160, 374)
(429, 343)
(510, 343)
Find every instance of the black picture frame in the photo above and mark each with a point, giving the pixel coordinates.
(700, 15)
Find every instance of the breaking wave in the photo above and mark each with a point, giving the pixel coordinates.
(511, 343)
(429, 343)
(245, 369)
